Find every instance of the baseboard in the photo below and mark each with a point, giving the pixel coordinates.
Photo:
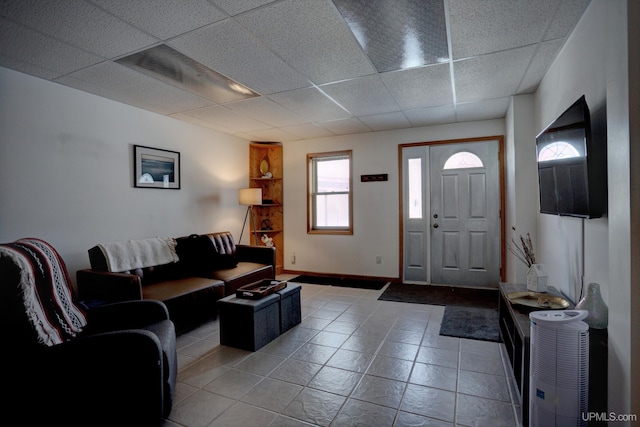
(340, 276)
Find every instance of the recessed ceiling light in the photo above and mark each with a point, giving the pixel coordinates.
(172, 67)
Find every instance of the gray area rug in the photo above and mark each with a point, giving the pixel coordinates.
(471, 322)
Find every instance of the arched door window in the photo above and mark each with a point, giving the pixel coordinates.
(463, 160)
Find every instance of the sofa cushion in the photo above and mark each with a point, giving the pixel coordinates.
(200, 255)
(244, 273)
(163, 291)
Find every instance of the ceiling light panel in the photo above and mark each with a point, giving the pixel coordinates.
(172, 67)
(398, 34)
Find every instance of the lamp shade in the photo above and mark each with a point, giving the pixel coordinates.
(250, 196)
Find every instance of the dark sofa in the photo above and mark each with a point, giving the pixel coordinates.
(210, 267)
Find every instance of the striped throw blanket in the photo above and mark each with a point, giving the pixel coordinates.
(46, 290)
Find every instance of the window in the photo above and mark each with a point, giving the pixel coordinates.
(329, 193)
(463, 160)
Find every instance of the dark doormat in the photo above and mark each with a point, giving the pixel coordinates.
(470, 322)
(342, 282)
(441, 295)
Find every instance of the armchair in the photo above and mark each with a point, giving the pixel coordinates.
(111, 365)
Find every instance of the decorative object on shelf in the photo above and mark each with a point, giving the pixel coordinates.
(538, 300)
(598, 317)
(524, 252)
(537, 278)
(154, 168)
(266, 224)
(249, 197)
(264, 169)
(268, 241)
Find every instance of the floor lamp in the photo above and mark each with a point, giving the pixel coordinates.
(249, 197)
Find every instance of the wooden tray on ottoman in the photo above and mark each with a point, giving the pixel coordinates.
(260, 289)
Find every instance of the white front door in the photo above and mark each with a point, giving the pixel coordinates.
(456, 238)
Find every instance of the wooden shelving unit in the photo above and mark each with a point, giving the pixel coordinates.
(265, 172)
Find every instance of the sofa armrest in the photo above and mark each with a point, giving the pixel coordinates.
(125, 315)
(259, 254)
(105, 287)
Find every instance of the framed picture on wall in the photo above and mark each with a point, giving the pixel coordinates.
(155, 168)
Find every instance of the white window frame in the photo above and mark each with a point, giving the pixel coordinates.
(312, 193)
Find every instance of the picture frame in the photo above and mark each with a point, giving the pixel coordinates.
(156, 168)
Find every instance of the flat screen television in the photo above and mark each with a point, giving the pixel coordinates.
(572, 167)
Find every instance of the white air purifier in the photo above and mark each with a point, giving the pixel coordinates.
(559, 368)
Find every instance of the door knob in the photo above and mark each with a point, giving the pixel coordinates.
(435, 225)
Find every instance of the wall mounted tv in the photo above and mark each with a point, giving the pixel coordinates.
(572, 167)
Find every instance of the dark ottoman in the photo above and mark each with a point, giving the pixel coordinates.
(290, 310)
(249, 324)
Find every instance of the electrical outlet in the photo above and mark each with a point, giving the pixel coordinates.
(293, 258)
(378, 259)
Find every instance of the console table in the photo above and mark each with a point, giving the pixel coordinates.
(515, 331)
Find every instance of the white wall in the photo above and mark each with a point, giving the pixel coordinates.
(66, 171)
(522, 201)
(594, 62)
(580, 69)
(375, 204)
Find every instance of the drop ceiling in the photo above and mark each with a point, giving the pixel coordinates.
(312, 68)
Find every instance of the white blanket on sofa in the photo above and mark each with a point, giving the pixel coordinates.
(132, 254)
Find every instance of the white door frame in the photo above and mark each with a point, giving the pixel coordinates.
(401, 185)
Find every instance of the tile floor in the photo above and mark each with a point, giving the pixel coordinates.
(353, 361)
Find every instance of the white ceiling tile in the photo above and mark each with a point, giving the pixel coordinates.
(482, 110)
(132, 87)
(310, 104)
(163, 18)
(79, 23)
(224, 117)
(479, 27)
(234, 7)
(235, 53)
(363, 96)
(389, 121)
(31, 47)
(311, 36)
(431, 115)
(491, 76)
(542, 59)
(193, 120)
(566, 18)
(266, 110)
(269, 135)
(345, 127)
(420, 87)
(24, 67)
(308, 130)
